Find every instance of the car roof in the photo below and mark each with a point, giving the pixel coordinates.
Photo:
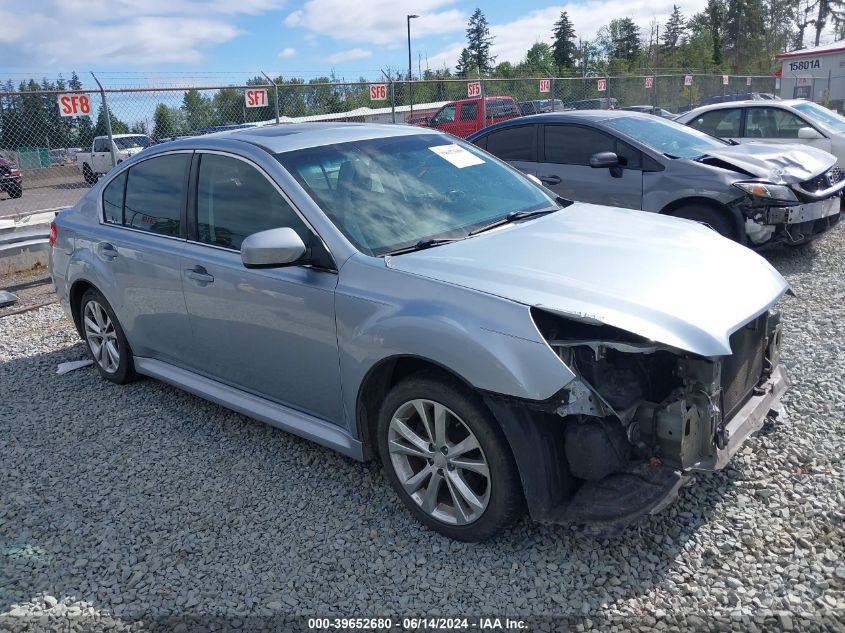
(568, 116)
(758, 103)
(285, 137)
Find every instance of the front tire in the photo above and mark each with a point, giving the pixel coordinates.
(718, 220)
(88, 174)
(105, 339)
(447, 458)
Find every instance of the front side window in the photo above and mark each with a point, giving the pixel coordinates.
(446, 115)
(513, 143)
(721, 123)
(130, 142)
(235, 200)
(391, 193)
(574, 145)
(155, 194)
(772, 123)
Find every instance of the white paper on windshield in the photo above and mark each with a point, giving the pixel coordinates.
(457, 155)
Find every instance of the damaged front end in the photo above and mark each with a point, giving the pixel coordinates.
(790, 215)
(640, 416)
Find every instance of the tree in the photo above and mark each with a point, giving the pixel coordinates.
(466, 64)
(564, 48)
(674, 29)
(164, 126)
(620, 40)
(198, 112)
(479, 41)
(538, 60)
(117, 126)
(714, 13)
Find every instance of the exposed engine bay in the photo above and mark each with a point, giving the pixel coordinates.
(637, 404)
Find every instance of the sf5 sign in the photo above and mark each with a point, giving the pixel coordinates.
(256, 98)
(474, 89)
(74, 105)
(378, 92)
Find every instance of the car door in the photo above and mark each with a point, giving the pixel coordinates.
(515, 144)
(101, 157)
(724, 123)
(564, 166)
(777, 125)
(269, 331)
(445, 119)
(139, 248)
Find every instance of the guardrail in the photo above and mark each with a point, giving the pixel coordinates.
(24, 242)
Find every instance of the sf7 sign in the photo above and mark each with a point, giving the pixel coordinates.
(545, 85)
(378, 92)
(474, 89)
(256, 98)
(649, 82)
(74, 105)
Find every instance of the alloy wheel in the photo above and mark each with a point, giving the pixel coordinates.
(101, 336)
(439, 462)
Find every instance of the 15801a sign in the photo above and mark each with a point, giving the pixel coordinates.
(806, 64)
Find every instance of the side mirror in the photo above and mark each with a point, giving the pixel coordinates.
(604, 160)
(808, 134)
(274, 247)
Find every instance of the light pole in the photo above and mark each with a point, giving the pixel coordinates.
(410, 68)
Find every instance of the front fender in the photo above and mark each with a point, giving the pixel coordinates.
(489, 342)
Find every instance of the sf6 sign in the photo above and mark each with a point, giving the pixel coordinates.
(74, 105)
(474, 89)
(545, 85)
(378, 92)
(256, 98)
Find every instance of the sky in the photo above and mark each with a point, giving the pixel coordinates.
(133, 40)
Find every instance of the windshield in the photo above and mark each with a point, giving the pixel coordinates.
(128, 142)
(386, 194)
(667, 137)
(822, 115)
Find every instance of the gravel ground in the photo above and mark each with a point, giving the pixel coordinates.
(133, 504)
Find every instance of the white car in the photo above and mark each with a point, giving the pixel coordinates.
(787, 121)
(99, 160)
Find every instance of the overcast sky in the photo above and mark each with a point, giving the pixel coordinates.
(289, 37)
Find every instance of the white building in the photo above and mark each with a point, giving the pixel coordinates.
(817, 74)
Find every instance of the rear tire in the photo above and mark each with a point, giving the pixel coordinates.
(105, 339)
(15, 191)
(451, 464)
(88, 174)
(720, 221)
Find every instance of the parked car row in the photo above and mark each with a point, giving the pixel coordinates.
(395, 292)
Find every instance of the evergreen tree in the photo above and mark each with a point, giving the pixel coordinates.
(164, 126)
(465, 65)
(674, 29)
(714, 13)
(538, 60)
(563, 46)
(197, 108)
(479, 41)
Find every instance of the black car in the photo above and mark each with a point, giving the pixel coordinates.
(10, 179)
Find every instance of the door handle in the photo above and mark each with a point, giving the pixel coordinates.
(107, 251)
(200, 275)
(551, 179)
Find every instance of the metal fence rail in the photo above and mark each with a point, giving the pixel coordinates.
(48, 135)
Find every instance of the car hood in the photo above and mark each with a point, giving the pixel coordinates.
(778, 164)
(673, 281)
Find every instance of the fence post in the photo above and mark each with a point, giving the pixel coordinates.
(483, 102)
(108, 119)
(553, 91)
(275, 94)
(392, 102)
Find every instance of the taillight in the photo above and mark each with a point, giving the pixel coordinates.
(14, 171)
(54, 233)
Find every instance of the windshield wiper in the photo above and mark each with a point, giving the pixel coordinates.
(513, 216)
(424, 244)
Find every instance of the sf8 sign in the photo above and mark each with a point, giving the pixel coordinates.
(74, 105)
(378, 92)
(474, 89)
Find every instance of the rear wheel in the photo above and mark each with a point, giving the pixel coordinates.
(15, 191)
(88, 174)
(106, 342)
(447, 459)
(717, 219)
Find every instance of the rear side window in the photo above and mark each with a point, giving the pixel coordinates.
(469, 111)
(721, 123)
(113, 200)
(155, 193)
(235, 200)
(513, 143)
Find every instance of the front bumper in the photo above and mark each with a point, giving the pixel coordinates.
(794, 225)
(11, 181)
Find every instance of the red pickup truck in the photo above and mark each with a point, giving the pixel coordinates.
(464, 117)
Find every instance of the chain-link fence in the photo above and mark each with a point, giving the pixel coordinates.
(55, 144)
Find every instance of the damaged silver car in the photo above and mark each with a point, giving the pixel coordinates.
(759, 195)
(394, 292)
